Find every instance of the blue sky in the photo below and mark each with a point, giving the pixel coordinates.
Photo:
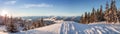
(51, 7)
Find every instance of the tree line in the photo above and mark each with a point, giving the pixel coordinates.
(110, 14)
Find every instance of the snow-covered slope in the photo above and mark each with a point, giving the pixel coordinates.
(75, 28)
(51, 29)
(69, 27)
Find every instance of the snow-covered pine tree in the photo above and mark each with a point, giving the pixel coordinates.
(88, 17)
(118, 14)
(97, 14)
(111, 13)
(101, 14)
(39, 23)
(114, 9)
(106, 13)
(11, 27)
(93, 17)
(42, 22)
(81, 19)
(26, 25)
(84, 18)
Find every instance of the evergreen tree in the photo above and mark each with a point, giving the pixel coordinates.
(111, 15)
(42, 22)
(118, 14)
(84, 19)
(11, 27)
(106, 13)
(88, 18)
(101, 14)
(93, 17)
(98, 14)
(81, 19)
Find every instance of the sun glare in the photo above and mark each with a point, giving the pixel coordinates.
(4, 12)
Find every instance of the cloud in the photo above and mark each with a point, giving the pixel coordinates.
(10, 2)
(37, 5)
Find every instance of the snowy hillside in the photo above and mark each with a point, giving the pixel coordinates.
(75, 28)
(70, 27)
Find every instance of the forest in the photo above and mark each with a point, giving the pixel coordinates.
(110, 14)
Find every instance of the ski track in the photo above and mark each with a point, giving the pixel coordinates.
(75, 28)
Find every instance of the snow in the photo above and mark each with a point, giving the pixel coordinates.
(2, 28)
(54, 29)
(49, 19)
(70, 27)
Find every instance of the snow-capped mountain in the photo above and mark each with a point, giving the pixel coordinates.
(65, 18)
